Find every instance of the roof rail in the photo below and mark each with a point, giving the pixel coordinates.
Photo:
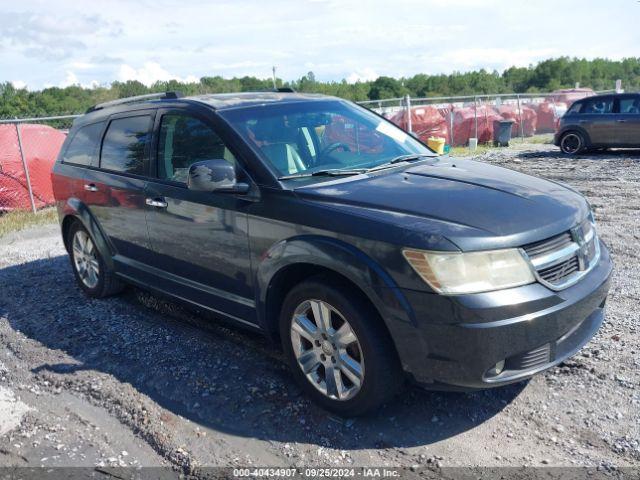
(137, 98)
(285, 90)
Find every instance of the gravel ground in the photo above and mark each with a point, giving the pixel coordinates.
(139, 381)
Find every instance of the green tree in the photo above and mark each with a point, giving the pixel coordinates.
(386, 87)
(562, 72)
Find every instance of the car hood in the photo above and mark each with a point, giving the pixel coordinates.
(473, 204)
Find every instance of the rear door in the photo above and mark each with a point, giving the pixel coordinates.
(114, 191)
(599, 120)
(200, 239)
(79, 152)
(628, 119)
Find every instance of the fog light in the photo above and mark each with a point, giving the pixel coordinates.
(497, 368)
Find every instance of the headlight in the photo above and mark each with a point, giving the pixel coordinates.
(471, 272)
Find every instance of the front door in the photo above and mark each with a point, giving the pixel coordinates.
(200, 239)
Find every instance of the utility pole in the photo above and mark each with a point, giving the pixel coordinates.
(275, 87)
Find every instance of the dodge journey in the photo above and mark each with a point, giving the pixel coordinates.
(367, 257)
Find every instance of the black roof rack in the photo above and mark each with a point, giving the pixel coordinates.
(137, 98)
(285, 90)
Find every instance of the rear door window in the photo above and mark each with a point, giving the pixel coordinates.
(125, 145)
(598, 105)
(83, 147)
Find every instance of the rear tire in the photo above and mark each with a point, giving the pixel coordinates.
(572, 143)
(349, 361)
(91, 272)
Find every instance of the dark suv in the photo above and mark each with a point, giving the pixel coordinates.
(326, 227)
(600, 122)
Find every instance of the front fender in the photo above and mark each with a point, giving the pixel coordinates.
(344, 259)
(74, 207)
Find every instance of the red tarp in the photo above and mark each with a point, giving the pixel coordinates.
(445, 110)
(464, 124)
(548, 115)
(41, 146)
(426, 121)
(570, 95)
(529, 118)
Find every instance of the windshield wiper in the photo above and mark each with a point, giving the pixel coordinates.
(399, 159)
(333, 172)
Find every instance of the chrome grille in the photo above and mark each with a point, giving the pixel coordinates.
(560, 271)
(548, 245)
(562, 260)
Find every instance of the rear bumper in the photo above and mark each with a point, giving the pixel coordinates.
(459, 339)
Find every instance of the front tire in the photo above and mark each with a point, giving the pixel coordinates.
(572, 143)
(91, 272)
(337, 348)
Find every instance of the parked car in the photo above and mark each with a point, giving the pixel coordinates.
(600, 121)
(370, 260)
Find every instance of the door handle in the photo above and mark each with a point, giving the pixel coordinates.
(90, 187)
(621, 120)
(582, 121)
(156, 202)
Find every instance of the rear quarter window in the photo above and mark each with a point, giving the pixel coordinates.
(575, 108)
(83, 146)
(124, 147)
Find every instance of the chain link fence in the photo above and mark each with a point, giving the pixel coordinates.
(30, 146)
(475, 119)
(28, 150)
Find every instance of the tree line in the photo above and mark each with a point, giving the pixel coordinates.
(545, 76)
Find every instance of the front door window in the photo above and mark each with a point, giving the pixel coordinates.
(184, 140)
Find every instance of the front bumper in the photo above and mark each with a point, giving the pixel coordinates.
(459, 339)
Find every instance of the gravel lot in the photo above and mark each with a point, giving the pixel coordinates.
(139, 381)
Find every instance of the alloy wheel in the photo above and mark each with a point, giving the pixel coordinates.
(85, 259)
(571, 143)
(327, 349)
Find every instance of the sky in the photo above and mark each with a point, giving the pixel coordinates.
(65, 42)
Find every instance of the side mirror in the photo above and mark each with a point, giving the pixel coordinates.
(216, 175)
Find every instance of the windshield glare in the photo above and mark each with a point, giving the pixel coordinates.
(306, 137)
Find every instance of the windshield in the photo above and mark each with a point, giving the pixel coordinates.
(306, 137)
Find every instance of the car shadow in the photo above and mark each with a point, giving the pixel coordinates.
(593, 155)
(220, 378)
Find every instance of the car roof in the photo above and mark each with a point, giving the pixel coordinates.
(223, 101)
(217, 101)
(607, 95)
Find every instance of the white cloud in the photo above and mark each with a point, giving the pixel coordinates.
(150, 73)
(80, 65)
(51, 35)
(19, 84)
(42, 41)
(70, 79)
(490, 58)
(363, 75)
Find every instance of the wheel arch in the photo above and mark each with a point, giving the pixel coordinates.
(76, 211)
(292, 261)
(575, 128)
